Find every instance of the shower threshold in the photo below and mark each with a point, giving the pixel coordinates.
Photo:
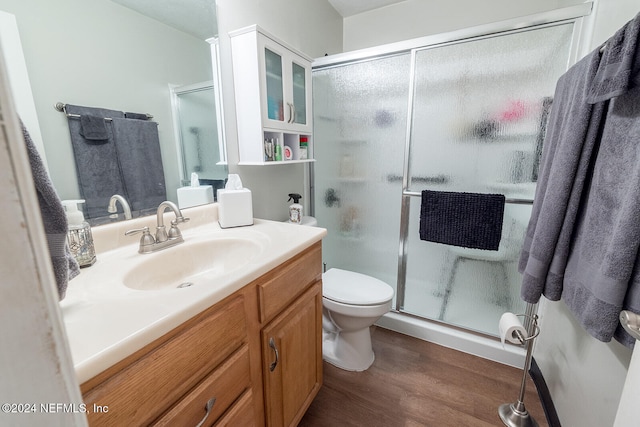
(458, 339)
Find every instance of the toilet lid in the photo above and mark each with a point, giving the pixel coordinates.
(349, 287)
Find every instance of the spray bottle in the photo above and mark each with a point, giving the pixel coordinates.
(79, 235)
(295, 209)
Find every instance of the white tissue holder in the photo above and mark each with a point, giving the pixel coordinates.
(235, 208)
(195, 196)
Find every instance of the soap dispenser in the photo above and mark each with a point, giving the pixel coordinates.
(295, 209)
(79, 234)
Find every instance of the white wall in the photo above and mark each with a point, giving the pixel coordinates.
(417, 18)
(35, 363)
(98, 53)
(310, 26)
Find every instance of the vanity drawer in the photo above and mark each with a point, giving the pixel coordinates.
(140, 388)
(281, 286)
(240, 414)
(226, 384)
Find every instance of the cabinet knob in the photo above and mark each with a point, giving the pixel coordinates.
(207, 407)
(272, 344)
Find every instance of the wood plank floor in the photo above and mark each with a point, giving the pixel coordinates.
(416, 383)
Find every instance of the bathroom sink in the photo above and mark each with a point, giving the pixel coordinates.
(192, 264)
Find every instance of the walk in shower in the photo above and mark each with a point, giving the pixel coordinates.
(462, 112)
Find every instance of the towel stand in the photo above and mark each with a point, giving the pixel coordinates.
(62, 107)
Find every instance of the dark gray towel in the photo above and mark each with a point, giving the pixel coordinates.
(138, 150)
(569, 144)
(602, 277)
(54, 220)
(616, 70)
(136, 116)
(97, 167)
(583, 239)
(93, 128)
(471, 220)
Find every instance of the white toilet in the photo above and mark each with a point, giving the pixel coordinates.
(351, 303)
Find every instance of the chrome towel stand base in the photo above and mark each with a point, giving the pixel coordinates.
(515, 414)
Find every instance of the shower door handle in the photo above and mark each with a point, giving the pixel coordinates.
(273, 365)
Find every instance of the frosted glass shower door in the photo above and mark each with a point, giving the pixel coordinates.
(477, 125)
(360, 122)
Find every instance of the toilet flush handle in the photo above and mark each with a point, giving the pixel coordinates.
(272, 344)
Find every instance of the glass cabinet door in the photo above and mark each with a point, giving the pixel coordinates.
(299, 89)
(287, 80)
(274, 79)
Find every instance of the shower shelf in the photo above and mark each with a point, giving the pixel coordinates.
(352, 180)
(351, 141)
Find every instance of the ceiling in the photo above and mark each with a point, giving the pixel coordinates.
(348, 8)
(195, 17)
(198, 17)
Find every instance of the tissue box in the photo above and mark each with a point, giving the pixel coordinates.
(235, 208)
(194, 196)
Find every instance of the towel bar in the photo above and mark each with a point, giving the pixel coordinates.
(507, 200)
(61, 106)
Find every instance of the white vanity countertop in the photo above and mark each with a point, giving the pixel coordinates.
(107, 321)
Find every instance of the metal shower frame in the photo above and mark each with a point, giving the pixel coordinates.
(573, 14)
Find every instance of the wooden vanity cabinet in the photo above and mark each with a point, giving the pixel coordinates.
(226, 352)
(292, 354)
(143, 386)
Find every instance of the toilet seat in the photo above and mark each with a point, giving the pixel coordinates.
(348, 287)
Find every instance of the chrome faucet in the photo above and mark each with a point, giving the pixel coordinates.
(162, 239)
(113, 210)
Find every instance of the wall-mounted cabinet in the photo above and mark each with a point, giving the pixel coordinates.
(272, 85)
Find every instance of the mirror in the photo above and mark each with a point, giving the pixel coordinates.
(122, 55)
(193, 107)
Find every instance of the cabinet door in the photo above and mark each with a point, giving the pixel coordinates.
(286, 87)
(292, 358)
(300, 93)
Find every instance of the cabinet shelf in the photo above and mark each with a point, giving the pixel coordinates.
(275, 163)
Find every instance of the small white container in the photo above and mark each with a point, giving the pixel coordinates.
(194, 196)
(235, 208)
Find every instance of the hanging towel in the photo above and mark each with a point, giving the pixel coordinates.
(583, 238)
(136, 116)
(97, 167)
(470, 220)
(54, 220)
(616, 70)
(93, 128)
(569, 143)
(138, 149)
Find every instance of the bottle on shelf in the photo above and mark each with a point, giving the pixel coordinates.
(277, 150)
(304, 147)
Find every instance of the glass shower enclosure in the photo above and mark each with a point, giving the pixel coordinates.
(461, 112)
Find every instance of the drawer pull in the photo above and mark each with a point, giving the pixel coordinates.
(208, 407)
(272, 344)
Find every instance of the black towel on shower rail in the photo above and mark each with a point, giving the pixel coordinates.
(470, 220)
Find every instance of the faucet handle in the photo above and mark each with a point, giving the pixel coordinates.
(179, 219)
(145, 240)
